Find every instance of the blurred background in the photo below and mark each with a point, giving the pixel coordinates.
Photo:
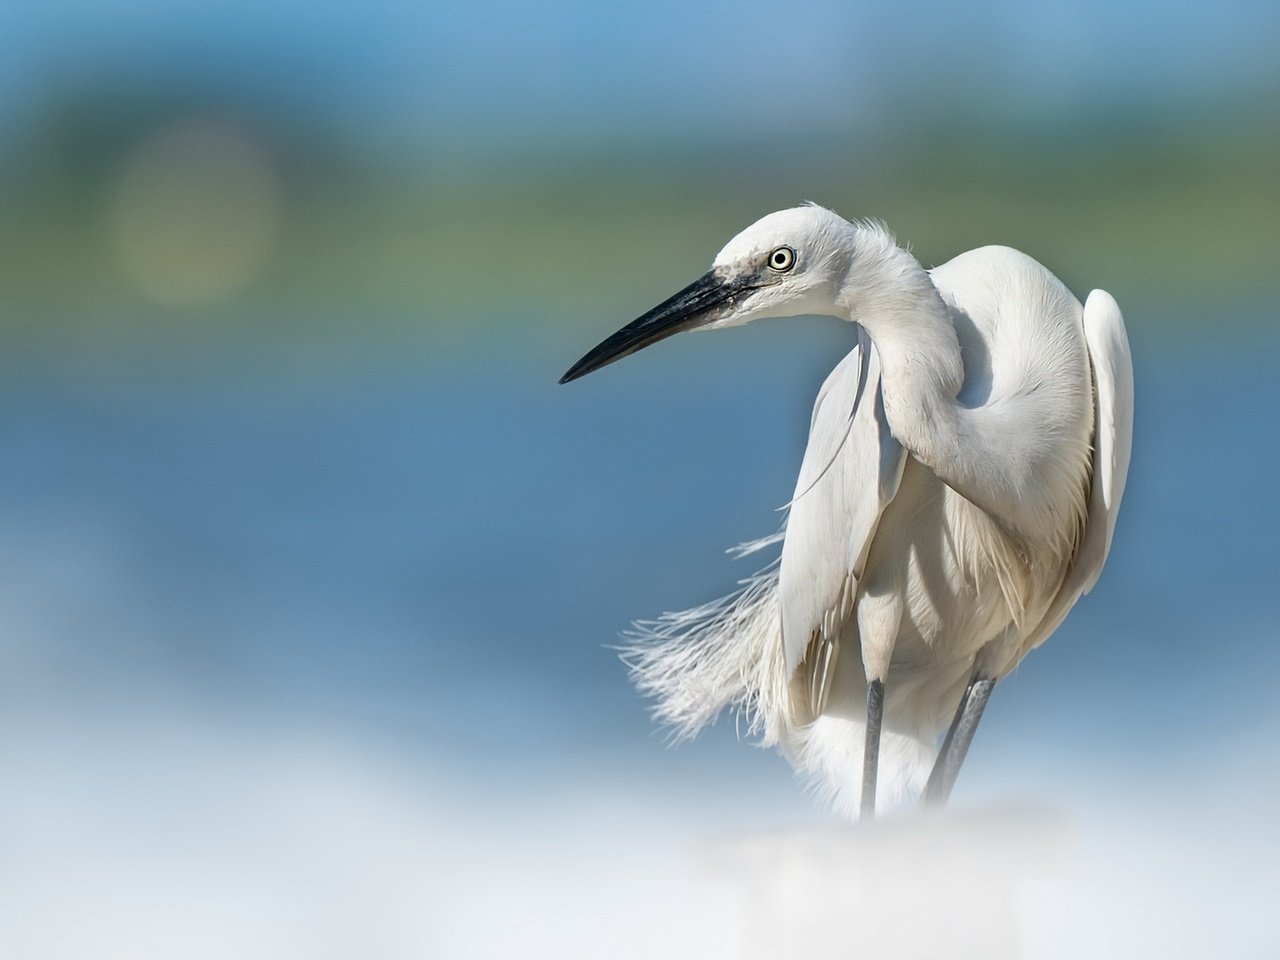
(309, 571)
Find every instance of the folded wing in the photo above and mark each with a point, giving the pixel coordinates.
(851, 470)
(1112, 367)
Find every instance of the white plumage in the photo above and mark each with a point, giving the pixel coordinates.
(959, 491)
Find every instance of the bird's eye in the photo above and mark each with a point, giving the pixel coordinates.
(782, 259)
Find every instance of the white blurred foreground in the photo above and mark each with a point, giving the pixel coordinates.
(129, 841)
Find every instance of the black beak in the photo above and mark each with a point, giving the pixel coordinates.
(686, 310)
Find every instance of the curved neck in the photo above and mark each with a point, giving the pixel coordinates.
(890, 294)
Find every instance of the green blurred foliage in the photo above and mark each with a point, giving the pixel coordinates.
(447, 242)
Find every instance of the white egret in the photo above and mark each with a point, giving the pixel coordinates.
(958, 494)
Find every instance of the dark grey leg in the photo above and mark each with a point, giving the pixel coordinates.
(956, 745)
(871, 752)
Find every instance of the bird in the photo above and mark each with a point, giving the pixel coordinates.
(958, 493)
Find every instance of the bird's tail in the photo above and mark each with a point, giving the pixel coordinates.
(727, 653)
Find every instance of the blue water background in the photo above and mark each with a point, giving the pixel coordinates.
(430, 551)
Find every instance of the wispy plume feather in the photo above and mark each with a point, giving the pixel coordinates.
(727, 653)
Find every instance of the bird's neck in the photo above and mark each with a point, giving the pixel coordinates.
(922, 370)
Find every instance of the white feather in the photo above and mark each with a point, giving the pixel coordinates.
(959, 492)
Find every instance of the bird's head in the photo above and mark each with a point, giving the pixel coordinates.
(787, 263)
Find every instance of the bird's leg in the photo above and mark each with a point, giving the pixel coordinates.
(879, 614)
(956, 744)
(871, 751)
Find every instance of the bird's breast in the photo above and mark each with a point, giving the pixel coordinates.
(961, 579)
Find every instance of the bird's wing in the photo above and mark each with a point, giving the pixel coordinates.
(1112, 438)
(851, 470)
